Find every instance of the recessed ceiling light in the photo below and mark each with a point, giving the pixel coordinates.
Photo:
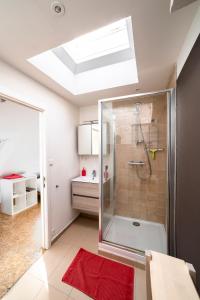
(57, 8)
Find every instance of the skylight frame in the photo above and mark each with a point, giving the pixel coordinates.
(105, 72)
(101, 42)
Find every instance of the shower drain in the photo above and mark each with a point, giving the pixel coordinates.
(136, 223)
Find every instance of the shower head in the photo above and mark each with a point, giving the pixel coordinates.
(137, 107)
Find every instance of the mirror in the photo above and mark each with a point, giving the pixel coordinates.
(95, 139)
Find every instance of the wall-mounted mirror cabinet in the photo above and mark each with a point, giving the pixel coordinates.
(95, 139)
(85, 139)
(88, 139)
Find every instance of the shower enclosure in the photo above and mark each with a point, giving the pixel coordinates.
(134, 213)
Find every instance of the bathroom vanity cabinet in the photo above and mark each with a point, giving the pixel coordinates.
(85, 194)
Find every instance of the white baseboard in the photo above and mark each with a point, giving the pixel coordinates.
(64, 228)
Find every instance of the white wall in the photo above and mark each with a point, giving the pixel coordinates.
(190, 39)
(90, 163)
(19, 126)
(61, 121)
(89, 113)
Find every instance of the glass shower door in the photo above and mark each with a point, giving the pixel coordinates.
(134, 170)
(107, 152)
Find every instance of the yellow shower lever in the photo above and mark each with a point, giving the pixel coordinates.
(153, 152)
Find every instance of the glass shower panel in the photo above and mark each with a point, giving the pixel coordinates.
(108, 165)
(137, 162)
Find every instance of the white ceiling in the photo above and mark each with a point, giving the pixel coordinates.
(177, 4)
(27, 28)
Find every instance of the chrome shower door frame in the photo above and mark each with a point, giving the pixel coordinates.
(171, 173)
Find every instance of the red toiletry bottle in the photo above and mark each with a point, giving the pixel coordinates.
(83, 172)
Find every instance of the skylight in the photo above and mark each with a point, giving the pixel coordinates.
(99, 60)
(106, 40)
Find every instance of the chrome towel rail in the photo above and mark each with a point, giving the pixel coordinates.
(136, 163)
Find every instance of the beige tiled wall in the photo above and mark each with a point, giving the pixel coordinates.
(134, 197)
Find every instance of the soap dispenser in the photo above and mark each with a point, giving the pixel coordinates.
(83, 172)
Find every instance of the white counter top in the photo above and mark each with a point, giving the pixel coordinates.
(87, 179)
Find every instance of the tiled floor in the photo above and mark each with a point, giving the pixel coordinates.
(43, 280)
(20, 245)
(149, 235)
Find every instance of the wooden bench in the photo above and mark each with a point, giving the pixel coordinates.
(169, 278)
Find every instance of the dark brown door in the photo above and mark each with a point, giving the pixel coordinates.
(188, 161)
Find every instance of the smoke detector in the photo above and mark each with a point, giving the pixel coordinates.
(57, 8)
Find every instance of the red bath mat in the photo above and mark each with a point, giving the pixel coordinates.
(100, 278)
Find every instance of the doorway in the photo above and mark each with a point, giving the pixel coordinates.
(23, 219)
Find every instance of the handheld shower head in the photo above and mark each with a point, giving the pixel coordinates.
(136, 108)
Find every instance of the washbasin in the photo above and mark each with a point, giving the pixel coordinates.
(86, 179)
